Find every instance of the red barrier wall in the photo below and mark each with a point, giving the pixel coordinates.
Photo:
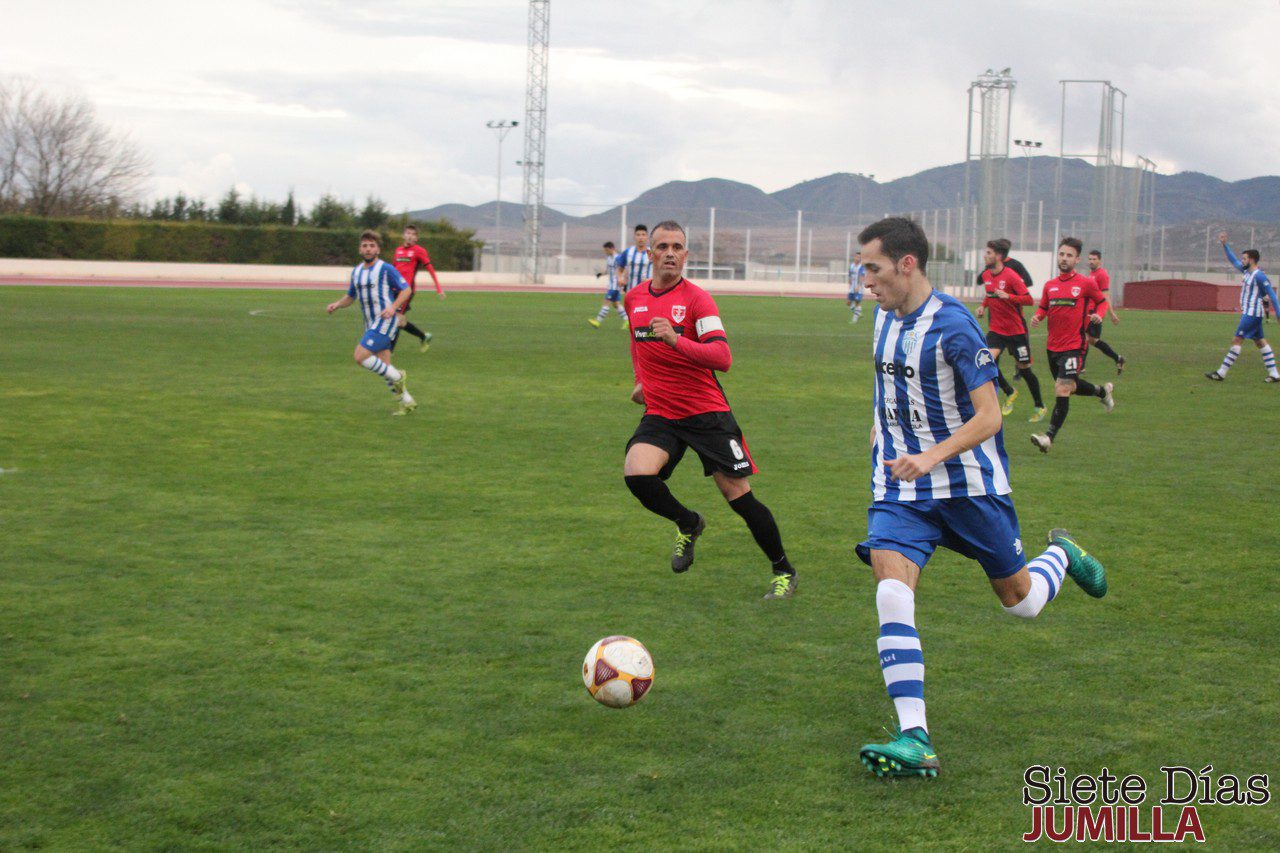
(1181, 295)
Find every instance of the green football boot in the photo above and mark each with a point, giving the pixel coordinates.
(426, 342)
(682, 554)
(908, 754)
(783, 585)
(397, 386)
(1083, 567)
(1007, 408)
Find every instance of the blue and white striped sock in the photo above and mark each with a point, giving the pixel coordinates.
(603, 312)
(901, 659)
(380, 367)
(622, 312)
(1230, 359)
(1269, 359)
(1047, 572)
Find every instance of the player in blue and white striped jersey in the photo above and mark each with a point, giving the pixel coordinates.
(612, 295)
(857, 273)
(1254, 288)
(633, 263)
(381, 292)
(940, 476)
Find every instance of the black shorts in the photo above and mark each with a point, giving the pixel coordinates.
(714, 436)
(1066, 365)
(1094, 330)
(1018, 347)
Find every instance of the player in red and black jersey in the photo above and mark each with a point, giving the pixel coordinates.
(1071, 301)
(408, 259)
(1007, 329)
(1093, 333)
(677, 344)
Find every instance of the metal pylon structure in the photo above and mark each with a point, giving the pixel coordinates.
(987, 216)
(1111, 221)
(535, 138)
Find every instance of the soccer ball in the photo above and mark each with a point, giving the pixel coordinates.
(618, 671)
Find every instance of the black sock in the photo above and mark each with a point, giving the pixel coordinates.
(1088, 389)
(1033, 383)
(1105, 348)
(1059, 416)
(1004, 383)
(763, 529)
(414, 330)
(657, 498)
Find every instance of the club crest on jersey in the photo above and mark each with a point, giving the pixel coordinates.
(909, 341)
(677, 313)
(1075, 291)
(983, 357)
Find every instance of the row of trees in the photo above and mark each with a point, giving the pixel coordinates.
(234, 209)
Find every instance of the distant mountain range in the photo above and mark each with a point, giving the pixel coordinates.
(844, 199)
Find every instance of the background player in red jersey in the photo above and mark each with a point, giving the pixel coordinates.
(1094, 332)
(1067, 301)
(408, 258)
(677, 344)
(1007, 329)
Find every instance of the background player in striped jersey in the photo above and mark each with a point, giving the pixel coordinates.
(939, 476)
(633, 263)
(1007, 329)
(1093, 333)
(857, 272)
(1254, 286)
(1071, 301)
(677, 344)
(408, 258)
(612, 296)
(381, 292)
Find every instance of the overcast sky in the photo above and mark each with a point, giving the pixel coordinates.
(391, 96)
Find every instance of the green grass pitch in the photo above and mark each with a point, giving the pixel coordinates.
(242, 606)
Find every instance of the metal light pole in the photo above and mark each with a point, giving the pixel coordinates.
(502, 128)
(1027, 147)
(861, 186)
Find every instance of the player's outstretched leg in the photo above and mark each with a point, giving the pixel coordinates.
(654, 495)
(1105, 348)
(1082, 566)
(908, 752)
(1103, 392)
(857, 310)
(1228, 360)
(1061, 407)
(1269, 362)
(764, 529)
(600, 315)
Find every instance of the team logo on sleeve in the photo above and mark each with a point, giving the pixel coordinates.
(983, 357)
(677, 313)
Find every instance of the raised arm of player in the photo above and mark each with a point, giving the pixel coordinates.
(1231, 256)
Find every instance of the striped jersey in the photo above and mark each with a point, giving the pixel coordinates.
(637, 263)
(611, 270)
(926, 364)
(376, 287)
(1254, 286)
(857, 272)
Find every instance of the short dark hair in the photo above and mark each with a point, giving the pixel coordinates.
(1073, 243)
(609, 245)
(667, 225)
(1097, 252)
(641, 228)
(899, 237)
(1000, 246)
(371, 235)
(411, 227)
(1255, 254)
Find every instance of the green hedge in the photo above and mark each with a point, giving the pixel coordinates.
(205, 242)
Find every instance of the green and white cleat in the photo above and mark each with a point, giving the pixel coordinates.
(405, 408)
(908, 754)
(1038, 415)
(1082, 566)
(594, 322)
(783, 585)
(1007, 408)
(682, 554)
(426, 342)
(397, 385)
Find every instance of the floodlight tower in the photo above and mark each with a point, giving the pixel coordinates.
(991, 100)
(535, 138)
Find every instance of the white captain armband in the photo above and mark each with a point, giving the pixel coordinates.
(708, 324)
